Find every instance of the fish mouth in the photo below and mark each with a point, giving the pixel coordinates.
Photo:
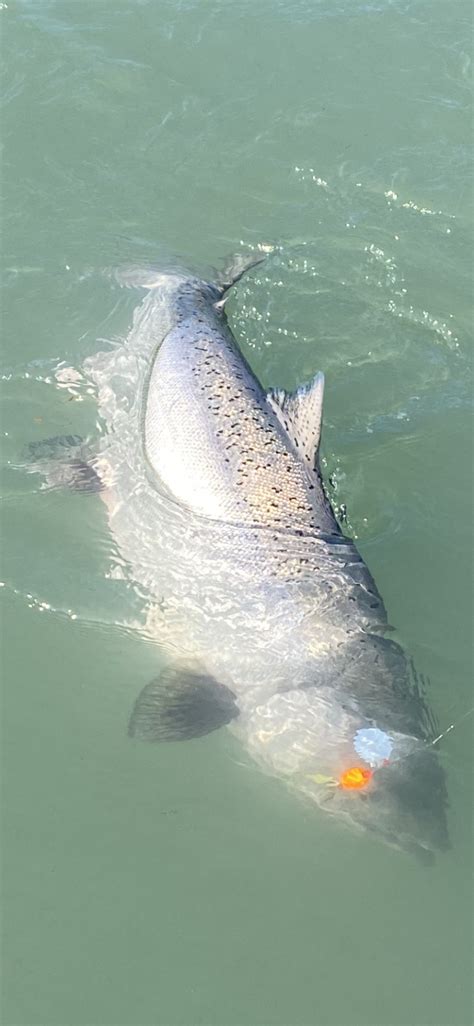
(424, 852)
(425, 855)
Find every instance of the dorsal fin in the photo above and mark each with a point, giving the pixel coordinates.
(300, 414)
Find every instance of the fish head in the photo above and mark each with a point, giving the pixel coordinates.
(402, 803)
(402, 799)
(357, 744)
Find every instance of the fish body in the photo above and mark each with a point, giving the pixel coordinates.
(269, 619)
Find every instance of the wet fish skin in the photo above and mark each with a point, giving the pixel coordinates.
(243, 464)
(221, 512)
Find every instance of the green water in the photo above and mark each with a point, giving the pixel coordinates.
(177, 884)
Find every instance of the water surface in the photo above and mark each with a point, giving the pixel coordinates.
(177, 885)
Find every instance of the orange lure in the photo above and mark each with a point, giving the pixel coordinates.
(354, 778)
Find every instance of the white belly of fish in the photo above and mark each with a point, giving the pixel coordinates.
(179, 436)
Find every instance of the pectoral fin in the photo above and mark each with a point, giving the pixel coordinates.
(300, 413)
(181, 704)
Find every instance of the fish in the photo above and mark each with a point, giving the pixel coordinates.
(267, 618)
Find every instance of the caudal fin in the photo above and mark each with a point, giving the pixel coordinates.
(238, 265)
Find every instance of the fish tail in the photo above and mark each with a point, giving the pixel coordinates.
(238, 265)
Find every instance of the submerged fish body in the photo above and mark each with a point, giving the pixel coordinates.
(269, 618)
